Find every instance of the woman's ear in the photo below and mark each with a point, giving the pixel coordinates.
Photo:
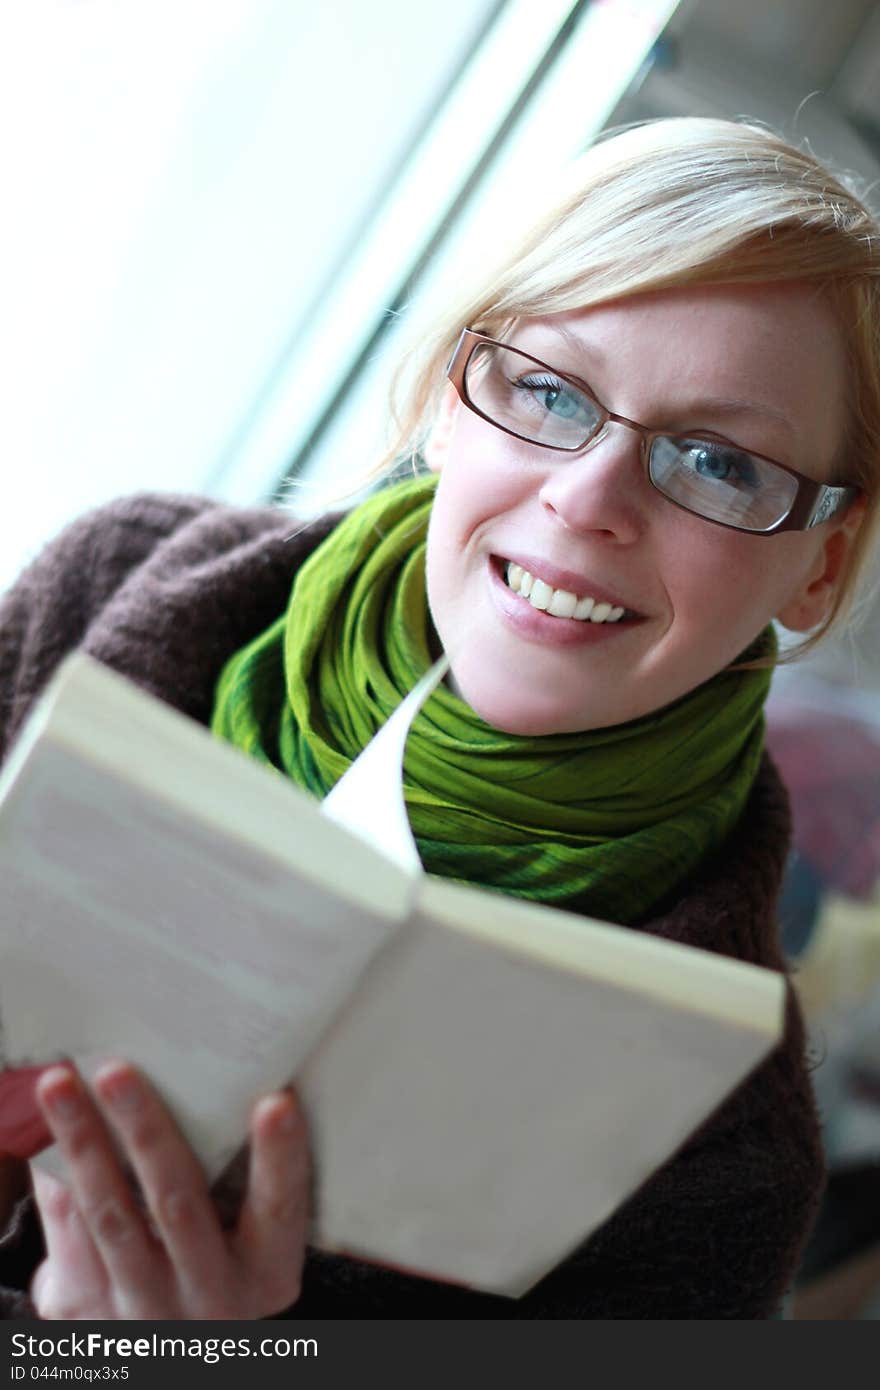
(809, 605)
(437, 444)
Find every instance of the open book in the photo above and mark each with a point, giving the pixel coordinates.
(485, 1079)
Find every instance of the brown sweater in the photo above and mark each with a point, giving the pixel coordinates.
(164, 589)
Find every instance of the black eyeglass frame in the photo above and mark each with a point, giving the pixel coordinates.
(812, 503)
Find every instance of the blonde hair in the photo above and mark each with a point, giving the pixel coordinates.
(671, 203)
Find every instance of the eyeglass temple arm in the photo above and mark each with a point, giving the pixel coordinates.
(830, 501)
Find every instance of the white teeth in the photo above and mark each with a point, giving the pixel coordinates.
(561, 603)
(540, 594)
(584, 608)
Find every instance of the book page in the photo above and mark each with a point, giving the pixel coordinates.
(130, 931)
(476, 1110)
(133, 923)
(368, 799)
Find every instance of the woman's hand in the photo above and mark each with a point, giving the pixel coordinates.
(107, 1258)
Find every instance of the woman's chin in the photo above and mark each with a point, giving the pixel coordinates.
(512, 708)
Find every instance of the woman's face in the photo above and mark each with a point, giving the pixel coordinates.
(762, 366)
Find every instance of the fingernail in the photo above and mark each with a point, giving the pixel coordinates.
(58, 1091)
(277, 1112)
(119, 1087)
(284, 1121)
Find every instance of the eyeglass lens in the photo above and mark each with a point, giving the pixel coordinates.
(713, 479)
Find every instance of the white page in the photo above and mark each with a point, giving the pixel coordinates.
(368, 799)
(132, 930)
(476, 1111)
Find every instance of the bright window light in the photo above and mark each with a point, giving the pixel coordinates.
(604, 45)
(210, 204)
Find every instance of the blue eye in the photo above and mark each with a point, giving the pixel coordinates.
(721, 483)
(557, 398)
(718, 462)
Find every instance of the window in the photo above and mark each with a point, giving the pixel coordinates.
(217, 202)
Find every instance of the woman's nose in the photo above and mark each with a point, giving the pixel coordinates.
(603, 490)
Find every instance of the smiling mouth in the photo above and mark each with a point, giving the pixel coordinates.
(560, 603)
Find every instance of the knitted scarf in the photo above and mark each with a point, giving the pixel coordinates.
(610, 822)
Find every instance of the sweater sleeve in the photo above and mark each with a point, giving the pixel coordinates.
(47, 612)
(21, 1250)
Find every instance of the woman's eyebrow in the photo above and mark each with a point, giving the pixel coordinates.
(576, 342)
(725, 405)
(719, 405)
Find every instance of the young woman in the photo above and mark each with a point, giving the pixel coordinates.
(652, 428)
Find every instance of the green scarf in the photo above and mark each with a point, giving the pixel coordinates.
(609, 822)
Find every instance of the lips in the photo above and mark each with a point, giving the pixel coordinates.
(531, 624)
(581, 585)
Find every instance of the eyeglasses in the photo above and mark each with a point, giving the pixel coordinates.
(532, 401)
